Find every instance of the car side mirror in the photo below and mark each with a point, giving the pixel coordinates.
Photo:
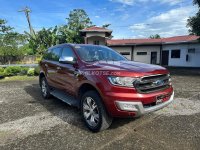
(67, 60)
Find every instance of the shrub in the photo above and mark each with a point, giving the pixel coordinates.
(38, 58)
(24, 71)
(31, 72)
(37, 71)
(1, 71)
(1, 74)
(12, 70)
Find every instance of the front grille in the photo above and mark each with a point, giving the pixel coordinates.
(150, 84)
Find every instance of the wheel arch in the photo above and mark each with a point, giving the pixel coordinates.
(41, 75)
(87, 87)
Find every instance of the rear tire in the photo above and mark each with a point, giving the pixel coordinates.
(45, 90)
(94, 113)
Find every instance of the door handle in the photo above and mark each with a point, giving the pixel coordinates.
(58, 68)
(76, 73)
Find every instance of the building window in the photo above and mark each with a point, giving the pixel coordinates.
(141, 53)
(175, 54)
(125, 53)
(96, 42)
(191, 50)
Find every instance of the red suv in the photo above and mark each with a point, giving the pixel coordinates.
(103, 83)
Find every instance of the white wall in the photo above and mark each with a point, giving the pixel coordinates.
(146, 58)
(90, 34)
(194, 59)
(124, 49)
(90, 40)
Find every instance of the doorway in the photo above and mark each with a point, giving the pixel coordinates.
(153, 57)
(165, 58)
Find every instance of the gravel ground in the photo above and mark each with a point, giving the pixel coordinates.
(27, 121)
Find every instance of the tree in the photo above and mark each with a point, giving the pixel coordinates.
(156, 36)
(43, 39)
(70, 33)
(77, 20)
(194, 22)
(9, 43)
(106, 25)
(196, 2)
(10, 47)
(3, 27)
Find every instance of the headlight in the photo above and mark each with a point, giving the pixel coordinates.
(122, 81)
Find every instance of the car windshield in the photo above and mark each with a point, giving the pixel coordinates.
(98, 53)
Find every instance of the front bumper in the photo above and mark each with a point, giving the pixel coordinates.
(139, 109)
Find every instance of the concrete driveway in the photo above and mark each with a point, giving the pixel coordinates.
(27, 121)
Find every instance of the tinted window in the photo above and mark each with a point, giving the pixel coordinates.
(175, 54)
(47, 55)
(125, 53)
(67, 52)
(192, 50)
(97, 53)
(56, 54)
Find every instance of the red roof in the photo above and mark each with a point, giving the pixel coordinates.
(176, 39)
(98, 29)
(186, 38)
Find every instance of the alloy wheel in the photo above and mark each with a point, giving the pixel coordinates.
(90, 111)
(44, 88)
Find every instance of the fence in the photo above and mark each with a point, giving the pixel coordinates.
(29, 59)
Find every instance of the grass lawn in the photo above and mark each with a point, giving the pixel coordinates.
(19, 78)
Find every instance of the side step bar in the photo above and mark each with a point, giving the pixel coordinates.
(70, 100)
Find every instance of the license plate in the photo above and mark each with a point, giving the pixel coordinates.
(162, 98)
(159, 99)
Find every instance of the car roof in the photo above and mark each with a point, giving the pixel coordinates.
(74, 45)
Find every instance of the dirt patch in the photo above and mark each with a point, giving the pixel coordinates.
(181, 106)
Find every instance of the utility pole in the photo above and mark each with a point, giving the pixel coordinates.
(26, 10)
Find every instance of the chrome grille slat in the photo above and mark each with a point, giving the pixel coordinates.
(151, 87)
(154, 80)
(147, 84)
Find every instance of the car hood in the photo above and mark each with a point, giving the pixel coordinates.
(126, 66)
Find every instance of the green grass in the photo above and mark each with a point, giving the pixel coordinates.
(19, 78)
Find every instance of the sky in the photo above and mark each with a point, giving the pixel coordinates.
(128, 18)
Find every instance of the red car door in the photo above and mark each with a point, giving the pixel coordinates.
(66, 73)
(51, 66)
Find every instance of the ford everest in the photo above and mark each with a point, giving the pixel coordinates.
(103, 83)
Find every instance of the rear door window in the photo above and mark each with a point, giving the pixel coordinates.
(47, 55)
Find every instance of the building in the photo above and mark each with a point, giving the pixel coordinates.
(182, 51)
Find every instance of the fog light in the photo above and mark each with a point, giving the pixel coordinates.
(126, 106)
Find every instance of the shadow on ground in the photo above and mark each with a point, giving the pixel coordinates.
(69, 114)
(183, 71)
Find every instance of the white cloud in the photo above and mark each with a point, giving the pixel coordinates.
(140, 26)
(170, 2)
(125, 16)
(131, 2)
(170, 23)
(96, 16)
(125, 2)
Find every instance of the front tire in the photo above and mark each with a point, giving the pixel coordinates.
(45, 90)
(94, 113)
